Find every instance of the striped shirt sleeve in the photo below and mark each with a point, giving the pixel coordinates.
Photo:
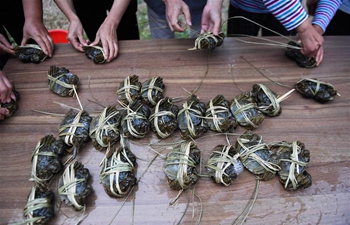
(325, 11)
(290, 13)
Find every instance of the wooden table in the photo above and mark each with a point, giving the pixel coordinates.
(323, 128)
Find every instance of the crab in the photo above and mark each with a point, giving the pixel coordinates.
(300, 59)
(208, 40)
(95, 53)
(73, 186)
(62, 81)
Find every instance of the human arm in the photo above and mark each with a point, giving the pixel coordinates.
(107, 33)
(34, 26)
(324, 12)
(292, 15)
(175, 8)
(76, 30)
(211, 18)
(6, 93)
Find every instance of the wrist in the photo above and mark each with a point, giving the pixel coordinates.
(304, 26)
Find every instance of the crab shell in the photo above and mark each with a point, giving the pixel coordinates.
(95, 53)
(30, 53)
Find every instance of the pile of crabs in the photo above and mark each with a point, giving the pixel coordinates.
(145, 108)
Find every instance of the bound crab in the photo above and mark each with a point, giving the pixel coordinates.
(300, 59)
(95, 53)
(219, 116)
(61, 81)
(73, 186)
(224, 165)
(134, 122)
(104, 129)
(27, 53)
(46, 160)
(257, 156)
(74, 130)
(191, 118)
(293, 158)
(163, 118)
(39, 208)
(246, 112)
(208, 40)
(316, 89)
(152, 91)
(181, 165)
(129, 90)
(117, 175)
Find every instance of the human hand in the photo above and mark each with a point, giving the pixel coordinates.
(76, 35)
(211, 18)
(175, 8)
(6, 93)
(3, 113)
(5, 46)
(36, 30)
(311, 41)
(107, 35)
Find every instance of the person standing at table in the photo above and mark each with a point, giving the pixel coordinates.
(163, 17)
(120, 23)
(24, 20)
(291, 14)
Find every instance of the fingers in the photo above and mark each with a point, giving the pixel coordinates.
(44, 41)
(3, 113)
(6, 93)
(5, 46)
(319, 56)
(187, 14)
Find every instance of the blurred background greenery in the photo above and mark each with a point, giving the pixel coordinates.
(55, 19)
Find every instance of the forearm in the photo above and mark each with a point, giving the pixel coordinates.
(290, 13)
(215, 3)
(33, 10)
(67, 7)
(325, 11)
(116, 12)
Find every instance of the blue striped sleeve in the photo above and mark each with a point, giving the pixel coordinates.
(325, 11)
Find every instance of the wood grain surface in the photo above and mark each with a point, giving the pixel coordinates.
(323, 128)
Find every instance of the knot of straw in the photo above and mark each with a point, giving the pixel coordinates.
(154, 119)
(112, 167)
